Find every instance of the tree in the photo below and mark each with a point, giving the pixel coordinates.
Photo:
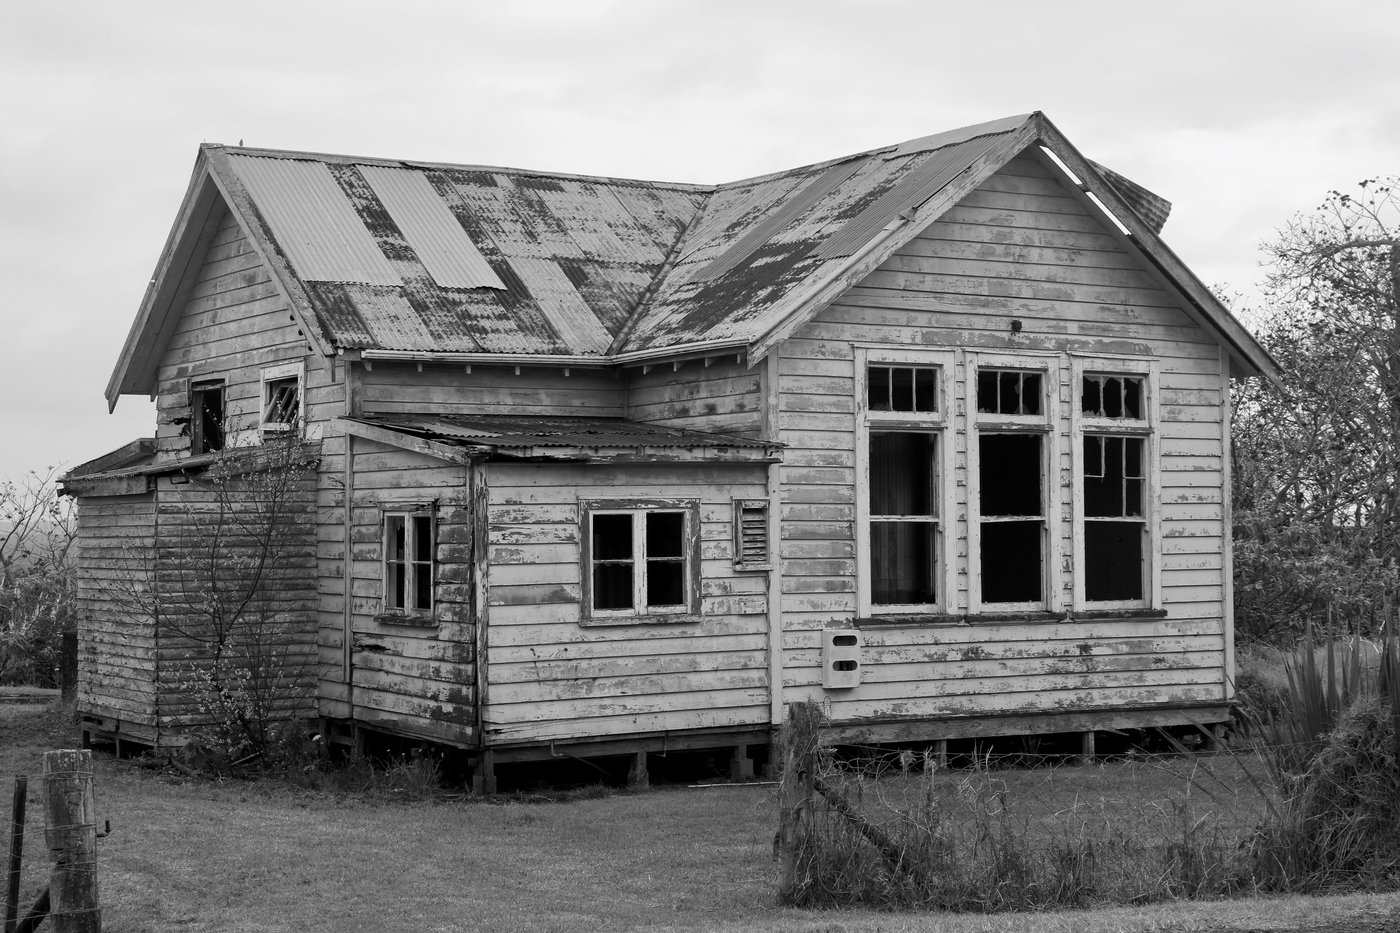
(37, 531)
(1317, 475)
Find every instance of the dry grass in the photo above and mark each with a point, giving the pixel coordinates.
(199, 856)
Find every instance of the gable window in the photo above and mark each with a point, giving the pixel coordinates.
(640, 559)
(1010, 508)
(281, 399)
(1113, 506)
(206, 416)
(409, 562)
(902, 459)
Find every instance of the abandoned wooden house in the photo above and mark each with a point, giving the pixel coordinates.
(936, 434)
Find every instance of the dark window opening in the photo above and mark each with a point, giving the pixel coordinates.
(1113, 477)
(1113, 561)
(206, 417)
(902, 560)
(1011, 483)
(612, 561)
(665, 559)
(1010, 474)
(1112, 397)
(1012, 562)
(902, 388)
(1008, 392)
(902, 473)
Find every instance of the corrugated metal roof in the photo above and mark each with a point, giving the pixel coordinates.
(444, 248)
(562, 305)
(515, 431)
(313, 221)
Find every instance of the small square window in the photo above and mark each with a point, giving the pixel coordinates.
(281, 399)
(902, 388)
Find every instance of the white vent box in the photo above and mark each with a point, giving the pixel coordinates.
(840, 659)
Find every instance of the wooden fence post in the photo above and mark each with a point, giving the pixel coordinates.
(71, 833)
(16, 851)
(800, 742)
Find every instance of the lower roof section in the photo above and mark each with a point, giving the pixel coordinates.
(462, 437)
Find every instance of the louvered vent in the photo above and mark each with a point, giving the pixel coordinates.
(751, 534)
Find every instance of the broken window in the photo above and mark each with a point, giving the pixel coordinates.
(207, 416)
(640, 561)
(409, 560)
(1115, 523)
(903, 518)
(1011, 484)
(281, 398)
(1119, 397)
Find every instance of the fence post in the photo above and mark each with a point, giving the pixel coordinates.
(16, 851)
(800, 742)
(71, 833)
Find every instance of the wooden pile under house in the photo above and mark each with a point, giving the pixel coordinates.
(936, 435)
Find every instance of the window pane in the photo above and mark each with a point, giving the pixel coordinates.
(902, 389)
(612, 586)
(1103, 476)
(1011, 562)
(423, 586)
(1113, 560)
(612, 537)
(1009, 469)
(665, 534)
(987, 391)
(902, 473)
(1091, 398)
(926, 389)
(902, 563)
(1132, 398)
(665, 583)
(422, 537)
(398, 580)
(1113, 397)
(396, 538)
(877, 388)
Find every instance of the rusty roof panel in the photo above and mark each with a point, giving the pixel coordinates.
(563, 306)
(312, 221)
(514, 431)
(430, 228)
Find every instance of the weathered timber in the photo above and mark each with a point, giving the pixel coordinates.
(71, 834)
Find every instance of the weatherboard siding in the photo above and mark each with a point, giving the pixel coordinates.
(116, 646)
(551, 678)
(724, 397)
(389, 387)
(414, 679)
(1021, 247)
(234, 324)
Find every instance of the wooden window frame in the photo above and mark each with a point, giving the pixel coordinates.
(937, 423)
(199, 388)
(281, 373)
(412, 563)
(1144, 428)
(640, 612)
(1047, 424)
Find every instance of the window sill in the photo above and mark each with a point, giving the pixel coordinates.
(1089, 615)
(942, 618)
(679, 618)
(405, 620)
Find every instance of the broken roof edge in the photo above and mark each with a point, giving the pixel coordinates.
(254, 152)
(1232, 334)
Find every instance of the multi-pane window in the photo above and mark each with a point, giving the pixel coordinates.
(640, 561)
(902, 458)
(1012, 494)
(1113, 497)
(408, 562)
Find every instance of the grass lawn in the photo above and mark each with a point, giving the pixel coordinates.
(195, 856)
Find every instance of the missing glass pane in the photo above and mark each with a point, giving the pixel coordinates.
(1011, 562)
(902, 563)
(1008, 392)
(1113, 561)
(1119, 397)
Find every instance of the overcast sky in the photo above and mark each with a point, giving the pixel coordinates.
(1240, 113)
